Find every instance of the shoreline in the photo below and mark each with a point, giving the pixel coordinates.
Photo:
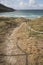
(21, 17)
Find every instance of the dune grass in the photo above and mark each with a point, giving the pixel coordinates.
(29, 40)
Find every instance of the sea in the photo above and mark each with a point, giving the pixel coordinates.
(23, 13)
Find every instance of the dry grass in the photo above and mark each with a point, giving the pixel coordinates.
(30, 42)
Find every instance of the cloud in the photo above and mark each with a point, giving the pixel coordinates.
(23, 4)
(40, 5)
(32, 2)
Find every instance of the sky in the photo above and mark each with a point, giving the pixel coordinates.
(23, 4)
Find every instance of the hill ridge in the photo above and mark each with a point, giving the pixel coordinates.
(4, 8)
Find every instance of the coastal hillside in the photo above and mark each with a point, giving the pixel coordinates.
(21, 41)
(4, 8)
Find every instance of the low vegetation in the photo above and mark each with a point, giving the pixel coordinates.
(22, 39)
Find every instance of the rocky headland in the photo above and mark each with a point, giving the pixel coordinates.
(4, 8)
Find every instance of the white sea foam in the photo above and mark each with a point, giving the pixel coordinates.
(20, 16)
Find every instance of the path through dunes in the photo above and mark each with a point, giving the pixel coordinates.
(20, 48)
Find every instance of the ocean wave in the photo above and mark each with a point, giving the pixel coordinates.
(13, 14)
(19, 16)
